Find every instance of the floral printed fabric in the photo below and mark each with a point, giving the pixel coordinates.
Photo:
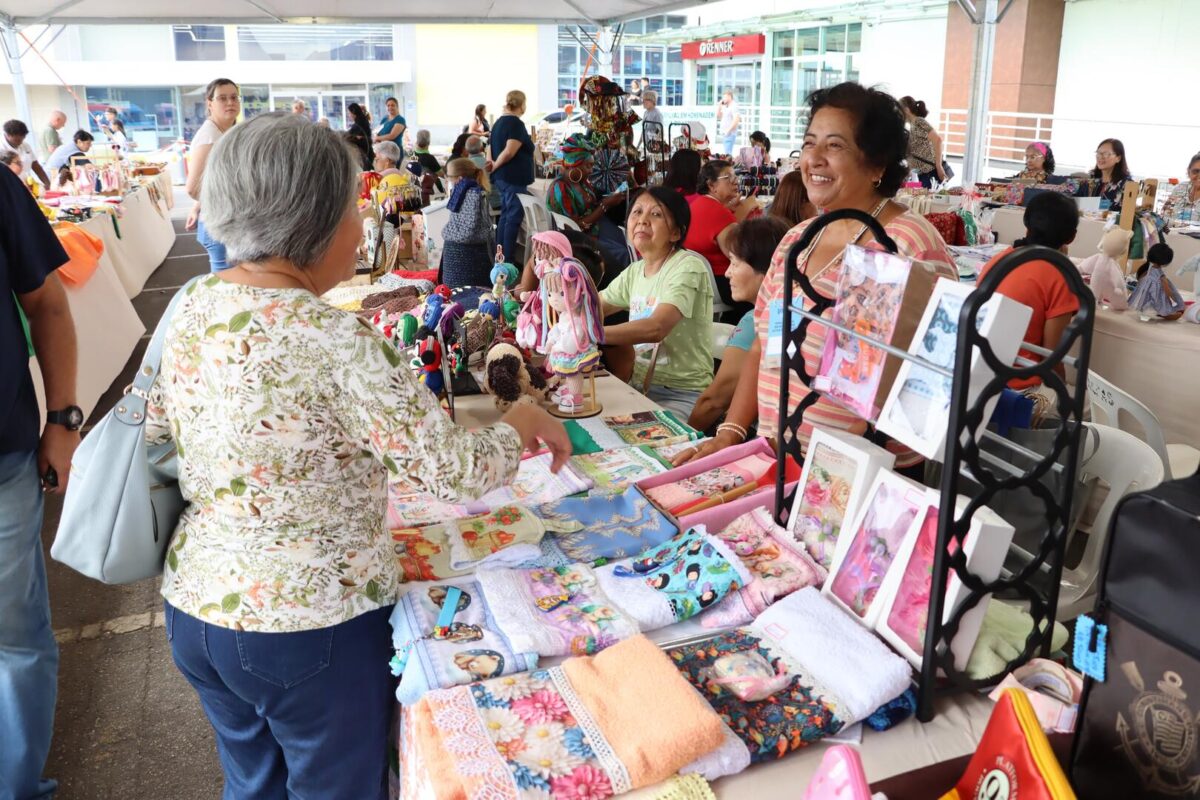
(793, 717)
(759, 543)
(291, 419)
(471, 649)
(554, 611)
(591, 529)
(685, 492)
(612, 471)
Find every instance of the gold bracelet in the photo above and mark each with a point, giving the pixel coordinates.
(733, 427)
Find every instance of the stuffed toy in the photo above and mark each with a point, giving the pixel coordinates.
(429, 352)
(509, 379)
(1107, 279)
(1155, 295)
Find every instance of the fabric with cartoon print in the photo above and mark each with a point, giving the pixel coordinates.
(613, 471)
(589, 529)
(655, 428)
(793, 717)
(692, 572)
(473, 648)
(554, 611)
(435, 552)
(685, 492)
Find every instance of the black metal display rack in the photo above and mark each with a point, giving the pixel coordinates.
(964, 457)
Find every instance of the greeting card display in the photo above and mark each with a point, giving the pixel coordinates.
(905, 611)
(868, 299)
(918, 406)
(890, 516)
(838, 471)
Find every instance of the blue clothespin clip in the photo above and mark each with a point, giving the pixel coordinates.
(1091, 647)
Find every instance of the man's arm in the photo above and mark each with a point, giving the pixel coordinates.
(41, 173)
(53, 333)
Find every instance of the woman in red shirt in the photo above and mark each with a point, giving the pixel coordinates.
(716, 206)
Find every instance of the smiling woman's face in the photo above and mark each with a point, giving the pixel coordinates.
(836, 173)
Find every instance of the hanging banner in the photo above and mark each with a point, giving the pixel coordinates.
(753, 44)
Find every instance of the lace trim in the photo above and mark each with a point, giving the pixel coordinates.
(618, 775)
(464, 736)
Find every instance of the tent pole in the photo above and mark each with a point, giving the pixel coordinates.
(976, 156)
(12, 55)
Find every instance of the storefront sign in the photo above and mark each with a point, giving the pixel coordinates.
(726, 47)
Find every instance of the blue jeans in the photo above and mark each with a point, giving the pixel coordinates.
(216, 250)
(681, 401)
(297, 715)
(28, 652)
(728, 141)
(511, 217)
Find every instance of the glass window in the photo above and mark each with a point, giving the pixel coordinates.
(379, 93)
(674, 62)
(783, 76)
(654, 61)
(785, 44)
(149, 113)
(705, 92)
(673, 94)
(808, 42)
(568, 62)
(199, 42)
(315, 42)
(255, 100)
(835, 39)
(567, 89)
(633, 61)
(854, 38)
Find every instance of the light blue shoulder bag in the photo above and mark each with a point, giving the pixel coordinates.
(123, 499)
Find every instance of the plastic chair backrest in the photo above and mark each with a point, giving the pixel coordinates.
(1116, 407)
(721, 331)
(563, 222)
(537, 216)
(1126, 464)
(719, 306)
(436, 216)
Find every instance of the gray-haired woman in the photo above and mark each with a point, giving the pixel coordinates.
(427, 160)
(291, 418)
(387, 158)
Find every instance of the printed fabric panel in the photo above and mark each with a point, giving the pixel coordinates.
(598, 528)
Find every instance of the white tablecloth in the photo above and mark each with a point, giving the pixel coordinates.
(147, 235)
(617, 397)
(1156, 362)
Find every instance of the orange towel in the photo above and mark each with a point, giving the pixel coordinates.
(84, 250)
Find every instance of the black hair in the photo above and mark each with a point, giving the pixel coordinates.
(584, 250)
(879, 130)
(1193, 161)
(83, 136)
(459, 148)
(759, 136)
(709, 173)
(14, 127)
(356, 111)
(917, 107)
(1120, 171)
(674, 204)
(1159, 255)
(387, 100)
(1048, 164)
(1051, 220)
(754, 241)
(683, 171)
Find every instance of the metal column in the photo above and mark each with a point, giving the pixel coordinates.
(12, 56)
(984, 19)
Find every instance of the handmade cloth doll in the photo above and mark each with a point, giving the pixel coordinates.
(429, 353)
(503, 276)
(570, 341)
(1155, 294)
(1107, 279)
(509, 380)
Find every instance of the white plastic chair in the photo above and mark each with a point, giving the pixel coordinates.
(436, 217)
(562, 222)
(719, 306)
(721, 331)
(1116, 407)
(536, 220)
(1126, 464)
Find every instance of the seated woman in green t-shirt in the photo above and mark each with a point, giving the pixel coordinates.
(668, 294)
(751, 245)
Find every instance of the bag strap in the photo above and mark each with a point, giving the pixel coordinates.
(131, 409)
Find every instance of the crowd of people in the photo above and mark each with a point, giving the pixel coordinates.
(298, 690)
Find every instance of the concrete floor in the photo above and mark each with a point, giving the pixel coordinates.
(128, 725)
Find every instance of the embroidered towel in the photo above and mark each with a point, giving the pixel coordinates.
(655, 428)
(676, 497)
(593, 528)
(575, 731)
(612, 471)
(508, 536)
(554, 611)
(471, 649)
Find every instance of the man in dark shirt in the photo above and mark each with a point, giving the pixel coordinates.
(512, 171)
(30, 463)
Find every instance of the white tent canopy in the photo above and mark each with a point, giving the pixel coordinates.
(30, 12)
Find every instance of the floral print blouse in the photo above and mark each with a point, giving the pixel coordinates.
(291, 417)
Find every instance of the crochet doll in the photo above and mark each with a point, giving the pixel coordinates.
(1107, 280)
(1155, 295)
(570, 341)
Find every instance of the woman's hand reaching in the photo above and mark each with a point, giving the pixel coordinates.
(719, 442)
(536, 428)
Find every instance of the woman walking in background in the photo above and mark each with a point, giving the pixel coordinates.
(924, 143)
(224, 104)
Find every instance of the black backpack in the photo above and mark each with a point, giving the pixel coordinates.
(1139, 729)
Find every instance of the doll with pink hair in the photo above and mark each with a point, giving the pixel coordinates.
(570, 341)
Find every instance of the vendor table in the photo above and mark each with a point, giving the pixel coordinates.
(146, 235)
(1157, 362)
(954, 732)
(1009, 225)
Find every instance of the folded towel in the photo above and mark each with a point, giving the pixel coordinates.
(534, 485)
(592, 436)
(857, 670)
(729, 759)
(575, 731)
(554, 611)
(685, 492)
(589, 529)
(680, 787)
(508, 536)
(472, 648)
(762, 546)
(648, 607)
(613, 470)
(655, 428)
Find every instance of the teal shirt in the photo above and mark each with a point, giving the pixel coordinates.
(743, 335)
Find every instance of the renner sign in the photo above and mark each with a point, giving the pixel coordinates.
(726, 47)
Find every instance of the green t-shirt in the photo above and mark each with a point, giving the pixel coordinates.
(685, 360)
(50, 141)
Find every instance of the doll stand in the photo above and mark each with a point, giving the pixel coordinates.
(591, 407)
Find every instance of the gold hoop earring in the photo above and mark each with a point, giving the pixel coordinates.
(577, 172)
(877, 182)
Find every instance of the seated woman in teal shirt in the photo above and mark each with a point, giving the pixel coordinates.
(751, 244)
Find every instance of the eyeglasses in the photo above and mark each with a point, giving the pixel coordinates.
(226, 98)
(727, 177)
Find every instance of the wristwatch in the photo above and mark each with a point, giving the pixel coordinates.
(70, 418)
